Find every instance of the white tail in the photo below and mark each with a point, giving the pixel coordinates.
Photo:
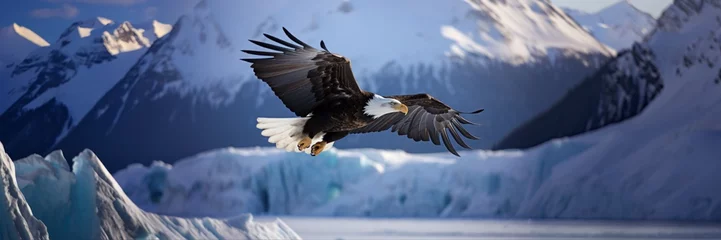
(287, 132)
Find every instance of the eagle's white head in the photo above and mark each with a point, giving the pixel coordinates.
(379, 106)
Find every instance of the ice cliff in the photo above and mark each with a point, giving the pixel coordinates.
(44, 199)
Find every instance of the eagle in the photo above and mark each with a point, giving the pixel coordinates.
(319, 87)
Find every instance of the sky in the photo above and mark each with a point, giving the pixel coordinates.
(49, 18)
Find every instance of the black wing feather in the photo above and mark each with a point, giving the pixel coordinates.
(302, 76)
(427, 118)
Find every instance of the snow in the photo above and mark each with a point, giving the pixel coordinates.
(16, 42)
(153, 30)
(660, 165)
(321, 228)
(519, 32)
(618, 25)
(124, 42)
(88, 196)
(125, 38)
(16, 220)
(104, 21)
(199, 37)
(161, 29)
(84, 32)
(30, 35)
(675, 159)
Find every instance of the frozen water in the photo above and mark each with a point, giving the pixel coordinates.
(457, 229)
(16, 220)
(88, 198)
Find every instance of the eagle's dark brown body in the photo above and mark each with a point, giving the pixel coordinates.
(319, 87)
(338, 117)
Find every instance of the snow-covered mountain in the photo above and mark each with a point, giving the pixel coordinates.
(660, 165)
(191, 93)
(49, 92)
(618, 25)
(626, 84)
(44, 199)
(641, 168)
(16, 42)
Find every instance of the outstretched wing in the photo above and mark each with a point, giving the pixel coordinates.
(426, 119)
(302, 76)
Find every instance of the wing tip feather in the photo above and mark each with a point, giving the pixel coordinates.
(474, 112)
(295, 39)
(322, 45)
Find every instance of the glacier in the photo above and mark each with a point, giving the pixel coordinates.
(45, 199)
(661, 164)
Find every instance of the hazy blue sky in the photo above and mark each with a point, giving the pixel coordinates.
(48, 18)
(654, 7)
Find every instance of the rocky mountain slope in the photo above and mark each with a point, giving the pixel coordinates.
(626, 84)
(50, 91)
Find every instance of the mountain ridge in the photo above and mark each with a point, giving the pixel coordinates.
(55, 87)
(618, 25)
(633, 79)
(18, 41)
(192, 77)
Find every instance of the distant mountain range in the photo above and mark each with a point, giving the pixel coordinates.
(135, 94)
(628, 83)
(618, 25)
(54, 87)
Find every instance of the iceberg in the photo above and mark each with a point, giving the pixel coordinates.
(17, 221)
(46, 199)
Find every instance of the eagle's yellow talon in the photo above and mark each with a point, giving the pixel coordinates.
(317, 148)
(304, 143)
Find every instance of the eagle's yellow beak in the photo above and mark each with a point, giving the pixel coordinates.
(402, 108)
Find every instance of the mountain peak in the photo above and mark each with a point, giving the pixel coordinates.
(621, 6)
(519, 31)
(17, 41)
(160, 29)
(84, 27)
(27, 34)
(104, 21)
(125, 38)
(94, 22)
(618, 25)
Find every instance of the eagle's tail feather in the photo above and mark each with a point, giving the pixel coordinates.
(286, 132)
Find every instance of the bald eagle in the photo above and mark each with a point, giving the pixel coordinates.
(319, 87)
